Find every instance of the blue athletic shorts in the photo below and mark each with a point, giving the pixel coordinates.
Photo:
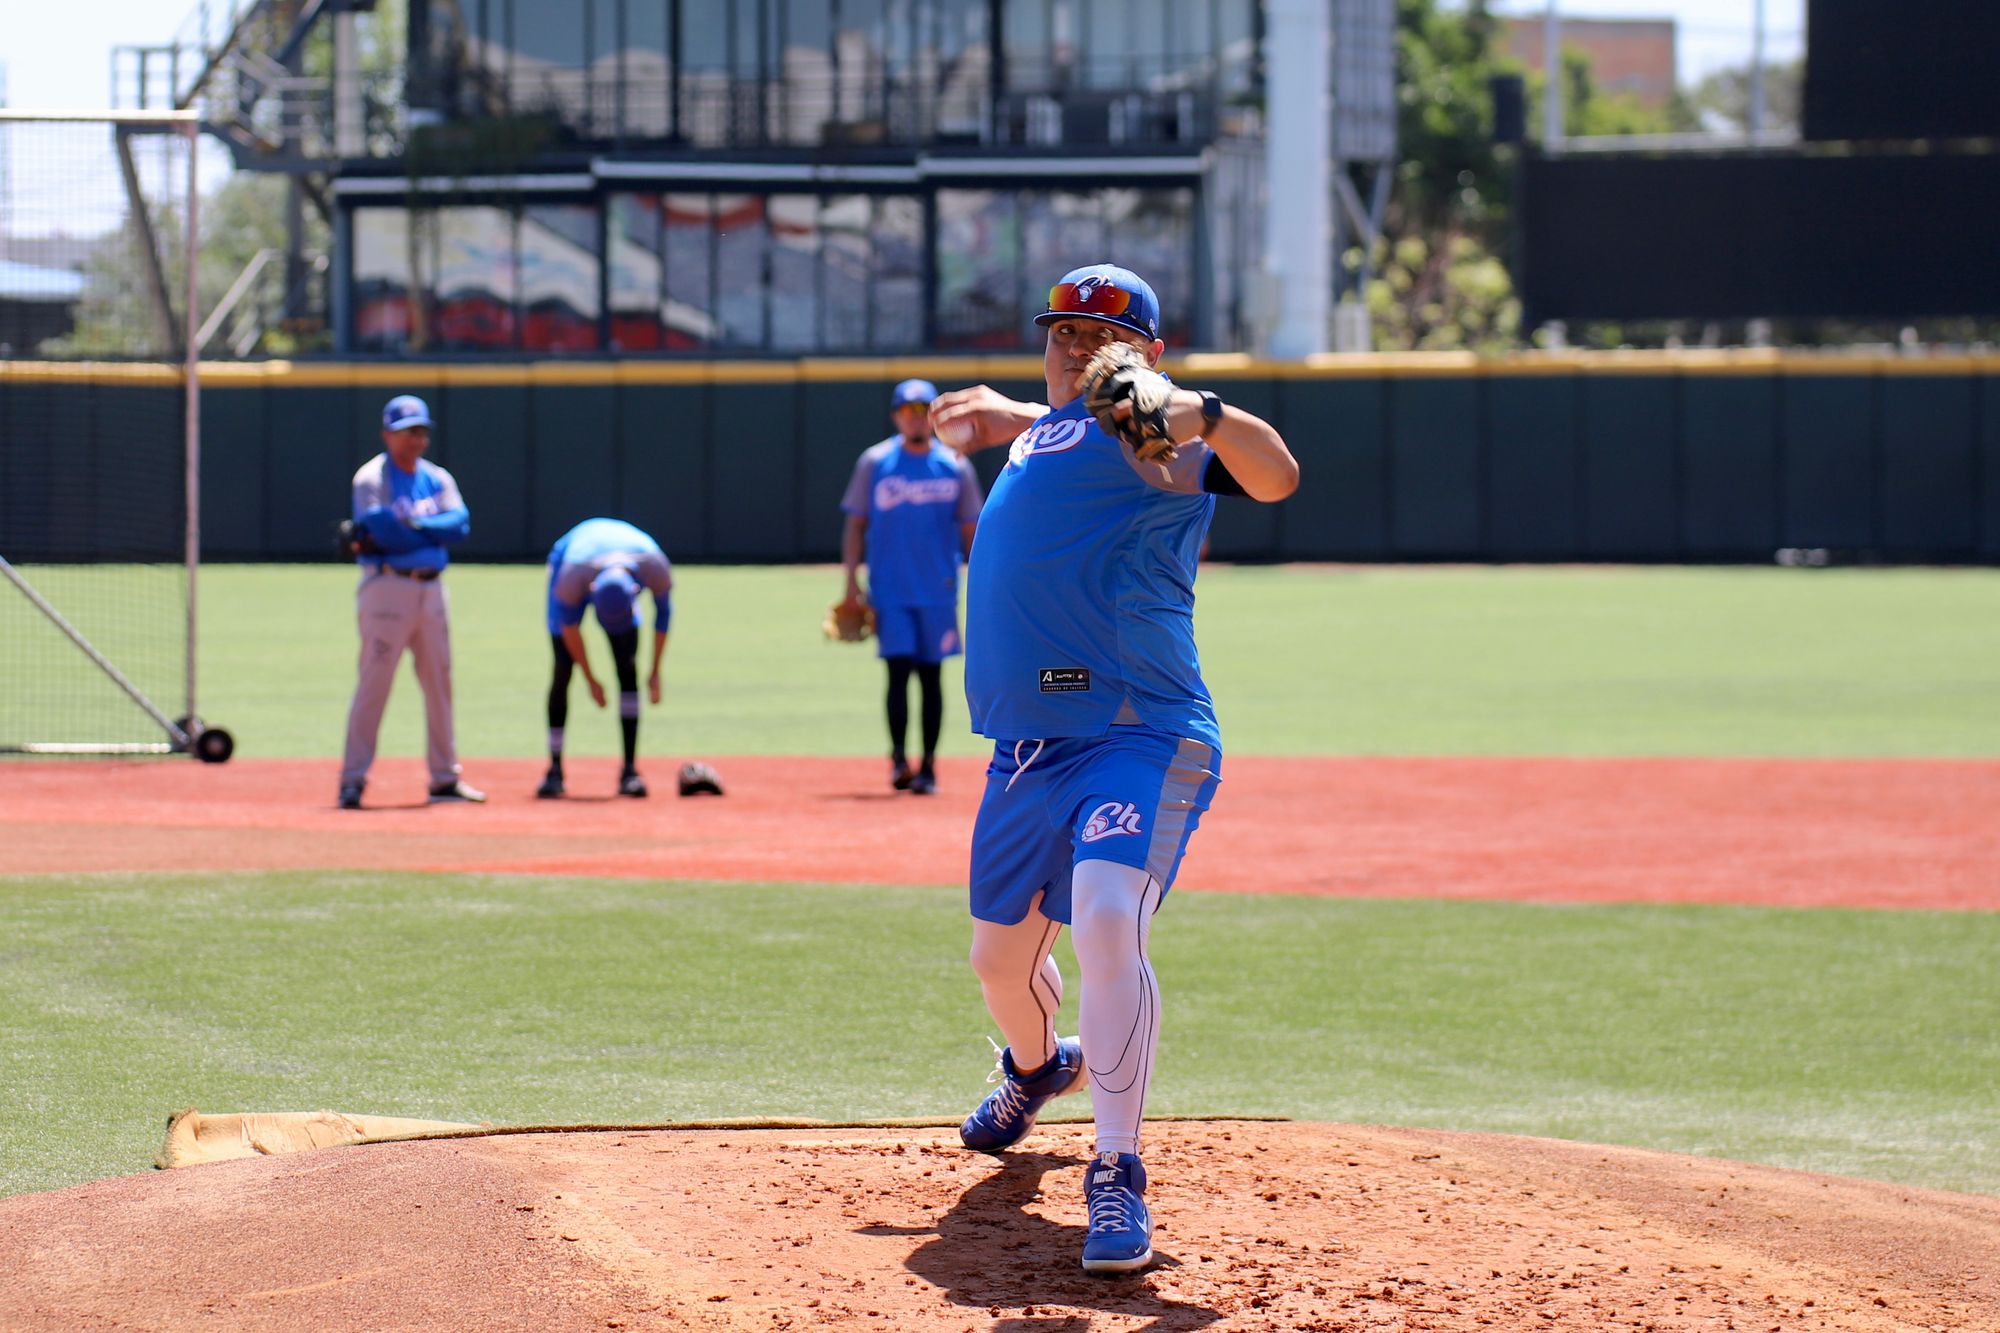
(927, 633)
(1132, 796)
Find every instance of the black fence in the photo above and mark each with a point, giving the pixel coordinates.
(1647, 457)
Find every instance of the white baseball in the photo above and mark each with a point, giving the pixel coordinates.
(956, 431)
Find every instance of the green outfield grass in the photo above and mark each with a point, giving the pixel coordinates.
(1864, 1043)
(1303, 660)
(1851, 1042)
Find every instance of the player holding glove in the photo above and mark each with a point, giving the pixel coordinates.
(911, 504)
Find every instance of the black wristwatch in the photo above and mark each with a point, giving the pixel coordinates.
(1211, 411)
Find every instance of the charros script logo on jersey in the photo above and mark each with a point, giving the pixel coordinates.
(1051, 437)
(405, 509)
(893, 491)
(1110, 820)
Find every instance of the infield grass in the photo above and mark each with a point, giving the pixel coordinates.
(1861, 1043)
(1302, 660)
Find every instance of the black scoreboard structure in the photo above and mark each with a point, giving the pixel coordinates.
(1915, 69)
(1886, 209)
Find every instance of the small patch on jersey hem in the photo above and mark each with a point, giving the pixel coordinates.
(1064, 680)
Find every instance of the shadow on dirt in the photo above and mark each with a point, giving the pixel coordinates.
(990, 1252)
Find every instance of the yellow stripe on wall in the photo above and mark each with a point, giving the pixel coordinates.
(956, 370)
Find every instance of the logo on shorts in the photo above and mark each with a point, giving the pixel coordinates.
(1063, 680)
(1109, 820)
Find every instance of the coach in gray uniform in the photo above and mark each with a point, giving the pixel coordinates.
(412, 511)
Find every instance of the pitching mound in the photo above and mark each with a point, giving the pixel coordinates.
(1261, 1226)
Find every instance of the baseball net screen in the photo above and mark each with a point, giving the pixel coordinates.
(98, 444)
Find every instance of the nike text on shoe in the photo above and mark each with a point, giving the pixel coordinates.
(1120, 1239)
(1009, 1111)
(455, 791)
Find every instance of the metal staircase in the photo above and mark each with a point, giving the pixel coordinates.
(278, 107)
(240, 64)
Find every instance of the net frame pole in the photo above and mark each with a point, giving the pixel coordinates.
(191, 397)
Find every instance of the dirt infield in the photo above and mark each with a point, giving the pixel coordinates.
(1262, 1226)
(1912, 834)
(1275, 1227)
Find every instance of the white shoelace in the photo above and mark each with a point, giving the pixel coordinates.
(1012, 1099)
(1113, 1208)
(1020, 768)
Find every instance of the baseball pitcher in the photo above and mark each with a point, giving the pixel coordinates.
(1081, 666)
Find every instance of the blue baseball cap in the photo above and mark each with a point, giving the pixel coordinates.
(613, 594)
(404, 411)
(1104, 291)
(912, 391)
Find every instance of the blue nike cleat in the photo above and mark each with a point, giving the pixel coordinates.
(1009, 1111)
(1121, 1230)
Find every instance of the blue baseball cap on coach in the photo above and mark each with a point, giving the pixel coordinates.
(1107, 292)
(404, 411)
(613, 594)
(912, 391)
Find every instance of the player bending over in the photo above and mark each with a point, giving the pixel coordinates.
(1080, 665)
(601, 564)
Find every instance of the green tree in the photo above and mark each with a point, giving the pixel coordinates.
(1449, 175)
(1436, 279)
(1457, 297)
(244, 215)
(1721, 100)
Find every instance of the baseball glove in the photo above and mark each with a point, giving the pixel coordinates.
(849, 620)
(1118, 373)
(351, 540)
(698, 779)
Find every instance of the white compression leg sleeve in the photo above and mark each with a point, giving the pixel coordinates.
(1113, 909)
(1022, 986)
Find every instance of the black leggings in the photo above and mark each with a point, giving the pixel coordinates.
(930, 682)
(624, 660)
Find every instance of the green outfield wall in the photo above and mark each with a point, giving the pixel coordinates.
(1690, 456)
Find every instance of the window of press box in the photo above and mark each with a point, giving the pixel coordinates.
(795, 273)
(999, 251)
(475, 278)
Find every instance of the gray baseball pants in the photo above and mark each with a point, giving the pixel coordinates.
(395, 613)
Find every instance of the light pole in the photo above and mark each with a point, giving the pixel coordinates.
(1757, 71)
(1552, 116)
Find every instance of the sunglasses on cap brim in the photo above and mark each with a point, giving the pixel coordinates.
(1088, 298)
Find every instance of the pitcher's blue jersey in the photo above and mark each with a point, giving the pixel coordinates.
(1080, 596)
(915, 504)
